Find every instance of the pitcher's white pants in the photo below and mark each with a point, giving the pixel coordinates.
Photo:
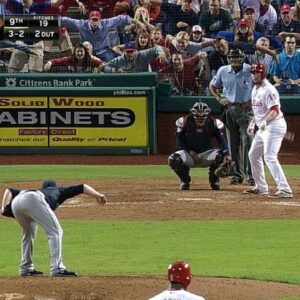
(266, 146)
(30, 209)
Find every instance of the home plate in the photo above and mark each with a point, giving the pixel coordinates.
(194, 199)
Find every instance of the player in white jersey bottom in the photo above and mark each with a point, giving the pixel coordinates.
(269, 128)
(179, 275)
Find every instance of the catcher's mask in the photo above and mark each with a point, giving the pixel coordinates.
(200, 110)
(259, 68)
(48, 183)
(180, 272)
(236, 57)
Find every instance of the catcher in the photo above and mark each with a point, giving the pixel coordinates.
(194, 136)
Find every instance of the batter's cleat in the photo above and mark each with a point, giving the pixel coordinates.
(215, 186)
(281, 194)
(236, 180)
(64, 273)
(255, 191)
(184, 186)
(32, 273)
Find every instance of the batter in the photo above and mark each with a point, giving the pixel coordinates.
(269, 120)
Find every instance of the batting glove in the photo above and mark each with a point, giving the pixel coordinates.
(262, 126)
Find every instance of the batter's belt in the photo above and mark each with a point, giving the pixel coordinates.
(243, 105)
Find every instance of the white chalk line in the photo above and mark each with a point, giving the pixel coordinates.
(194, 199)
(113, 203)
(76, 203)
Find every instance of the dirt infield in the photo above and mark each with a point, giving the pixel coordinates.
(154, 200)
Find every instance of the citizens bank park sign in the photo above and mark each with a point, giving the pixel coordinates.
(74, 121)
(12, 82)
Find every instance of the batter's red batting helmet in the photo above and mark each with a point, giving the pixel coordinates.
(259, 68)
(180, 272)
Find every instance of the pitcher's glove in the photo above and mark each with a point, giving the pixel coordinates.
(7, 212)
(227, 168)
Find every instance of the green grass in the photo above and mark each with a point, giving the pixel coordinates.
(83, 172)
(288, 298)
(265, 250)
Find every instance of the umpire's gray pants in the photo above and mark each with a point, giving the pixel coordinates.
(239, 142)
(30, 209)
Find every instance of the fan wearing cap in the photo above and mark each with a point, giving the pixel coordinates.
(133, 60)
(96, 31)
(36, 207)
(179, 276)
(249, 14)
(286, 24)
(243, 32)
(197, 36)
(265, 14)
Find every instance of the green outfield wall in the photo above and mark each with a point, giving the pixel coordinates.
(98, 114)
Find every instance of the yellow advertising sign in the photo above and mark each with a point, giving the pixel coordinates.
(74, 121)
(23, 102)
(25, 137)
(102, 121)
(23, 121)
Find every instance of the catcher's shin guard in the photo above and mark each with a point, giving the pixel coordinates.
(219, 158)
(213, 179)
(176, 163)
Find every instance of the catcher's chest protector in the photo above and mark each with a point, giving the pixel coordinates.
(199, 133)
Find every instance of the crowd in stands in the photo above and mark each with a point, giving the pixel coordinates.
(184, 41)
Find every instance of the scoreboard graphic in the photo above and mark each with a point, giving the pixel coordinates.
(29, 27)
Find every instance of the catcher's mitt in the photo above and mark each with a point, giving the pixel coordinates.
(227, 168)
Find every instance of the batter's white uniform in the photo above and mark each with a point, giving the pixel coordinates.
(176, 295)
(267, 143)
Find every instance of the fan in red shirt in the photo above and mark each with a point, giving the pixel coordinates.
(80, 62)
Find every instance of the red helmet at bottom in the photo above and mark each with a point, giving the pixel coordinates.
(180, 272)
(259, 68)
